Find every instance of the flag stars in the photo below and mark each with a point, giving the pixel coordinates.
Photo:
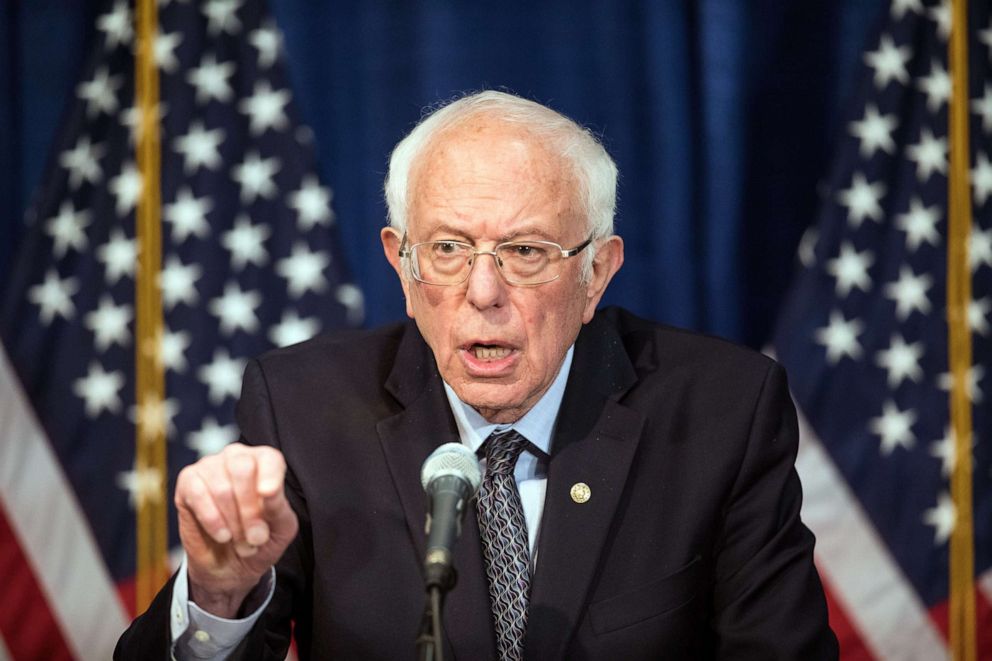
(246, 243)
(268, 41)
(840, 337)
(99, 390)
(222, 16)
(236, 309)
(874, 131)
(118, 256)
(199, 148)
(862, 200)
(292, 329)
(304, 270)
(351, 298)
(173, 348)
(972, 378)
(919, 224)
(178, 282)
(981, 179)
(110, 324)
(254, 175)
(54, 297)
(154, 417)
(265, 108)
(978, 314)
(117, 25)
(946, 450)
(100, 93)
(941, 14)
(942, 517)
(985, 36)
(983, 108)
(187, 215)
(83, 162)
(145, 486)
(67, 229)
(980, 248)
(901, 361)
(211, 438)
(132, 119)
(894, 428)
(889, 62)
(210, 80)
(900, 7)
(164, 51)
(312, 203)
(909, 292)
(126, 188)
(222, 376)
(936, 86)
(929, 154)
(850, 269)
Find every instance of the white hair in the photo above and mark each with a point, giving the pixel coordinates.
(592, 169)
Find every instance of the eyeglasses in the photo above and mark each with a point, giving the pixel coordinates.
(522, 263)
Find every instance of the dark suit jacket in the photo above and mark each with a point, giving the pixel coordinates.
(690, 546)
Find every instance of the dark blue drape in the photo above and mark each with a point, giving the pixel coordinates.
(721, 115)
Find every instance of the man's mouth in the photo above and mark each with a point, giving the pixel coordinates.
(490, 351)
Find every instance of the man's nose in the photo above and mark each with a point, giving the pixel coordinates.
(486, 287)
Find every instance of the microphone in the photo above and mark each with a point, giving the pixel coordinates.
(451, 476)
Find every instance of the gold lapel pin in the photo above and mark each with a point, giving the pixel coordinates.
(580, 493)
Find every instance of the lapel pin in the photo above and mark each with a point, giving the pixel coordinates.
(580, 493)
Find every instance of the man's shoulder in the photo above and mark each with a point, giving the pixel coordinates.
(654, 347)
(353, 350)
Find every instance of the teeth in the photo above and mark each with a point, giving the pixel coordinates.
(487, 353)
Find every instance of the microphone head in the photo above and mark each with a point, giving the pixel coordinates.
(452, 459)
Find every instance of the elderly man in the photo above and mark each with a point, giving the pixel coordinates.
(653, 508)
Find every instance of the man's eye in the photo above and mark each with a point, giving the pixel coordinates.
(446, 248)
(526, 251)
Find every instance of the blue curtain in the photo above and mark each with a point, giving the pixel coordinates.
(721, 115)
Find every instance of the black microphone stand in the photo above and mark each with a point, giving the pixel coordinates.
(441, 577)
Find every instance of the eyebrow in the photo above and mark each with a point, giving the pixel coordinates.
(444, 228)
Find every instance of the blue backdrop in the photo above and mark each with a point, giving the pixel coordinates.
(721, 115)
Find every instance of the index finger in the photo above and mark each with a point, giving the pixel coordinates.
(270, 469)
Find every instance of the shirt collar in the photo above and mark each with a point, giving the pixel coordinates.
(536, 426)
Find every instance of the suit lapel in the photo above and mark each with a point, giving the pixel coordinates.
(594, 443)
(407, 438)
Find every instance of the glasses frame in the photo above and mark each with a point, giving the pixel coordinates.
(406, 252)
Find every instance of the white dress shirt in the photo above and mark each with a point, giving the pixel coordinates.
(197, 634)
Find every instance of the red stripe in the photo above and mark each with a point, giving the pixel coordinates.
(28, 626)
(852, 646)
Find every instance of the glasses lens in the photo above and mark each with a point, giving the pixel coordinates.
(529, 263)
(441, 262)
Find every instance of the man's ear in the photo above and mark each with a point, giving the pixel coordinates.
(391, 248)
(608, 260)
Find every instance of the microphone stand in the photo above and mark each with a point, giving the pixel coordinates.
(440, 578)
(430, 640)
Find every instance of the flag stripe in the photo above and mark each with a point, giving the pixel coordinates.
(4, 653)
(26, 623)
(47, 519)
(868, 583)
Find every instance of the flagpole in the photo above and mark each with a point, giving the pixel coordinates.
(962, 613)
(150, 455)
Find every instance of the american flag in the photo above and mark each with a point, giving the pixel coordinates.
(864, 335)
(249, 262)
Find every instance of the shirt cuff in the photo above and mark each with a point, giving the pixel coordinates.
(197, 634)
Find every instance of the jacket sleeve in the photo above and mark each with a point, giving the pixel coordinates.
(768, 602)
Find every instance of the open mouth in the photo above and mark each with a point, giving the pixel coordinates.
(489, 351)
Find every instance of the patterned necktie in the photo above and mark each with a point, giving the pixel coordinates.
(504, 542)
